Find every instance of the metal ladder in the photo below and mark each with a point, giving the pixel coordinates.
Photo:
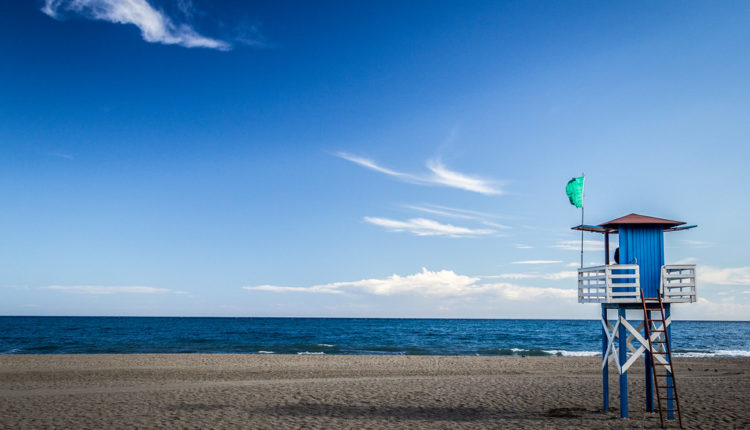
(660, 347)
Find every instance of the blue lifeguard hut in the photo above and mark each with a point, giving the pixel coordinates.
(638, 284)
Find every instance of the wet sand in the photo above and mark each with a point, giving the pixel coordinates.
(290, 391)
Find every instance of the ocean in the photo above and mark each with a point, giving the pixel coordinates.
(125, 335)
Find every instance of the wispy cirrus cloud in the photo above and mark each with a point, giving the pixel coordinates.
(449, 212)
(699, 243)
(443, 283)
(62, 155)
(439, 175)
(155, 26)
(100, 289)
(427, 227)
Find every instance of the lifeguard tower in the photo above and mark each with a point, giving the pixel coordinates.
(638, 285)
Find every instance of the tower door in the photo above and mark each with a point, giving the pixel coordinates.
(644, 245)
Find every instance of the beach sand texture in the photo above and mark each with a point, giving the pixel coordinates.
(290, 391)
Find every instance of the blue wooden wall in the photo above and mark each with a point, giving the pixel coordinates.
(646, 244)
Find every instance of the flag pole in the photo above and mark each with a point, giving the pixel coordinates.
(583, 199)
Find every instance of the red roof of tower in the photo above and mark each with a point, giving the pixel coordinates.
(640, 219)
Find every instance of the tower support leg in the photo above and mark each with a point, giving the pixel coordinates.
(605, 368)
(670, 381)
(649, 382)
(623, 356)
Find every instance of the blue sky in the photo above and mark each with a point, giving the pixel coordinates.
(362, 160)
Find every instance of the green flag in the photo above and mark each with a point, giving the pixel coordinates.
(574, 189)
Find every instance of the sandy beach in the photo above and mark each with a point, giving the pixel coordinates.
(291, 391)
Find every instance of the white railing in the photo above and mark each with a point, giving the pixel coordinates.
(613, 283)
(678, 283)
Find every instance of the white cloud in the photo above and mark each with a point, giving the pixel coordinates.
(554, 276)
(709, 310)
(427, 227)
(724, 276)
(523, 246)
(155, 26)
(98, 289)
(326, 288)
(427, 283)
(439, 175)
(575, 245)
(537, 262)
(443, 283)
(521, 293)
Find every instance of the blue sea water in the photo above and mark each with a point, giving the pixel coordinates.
(122, 335)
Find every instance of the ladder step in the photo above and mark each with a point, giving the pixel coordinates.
(650, 305)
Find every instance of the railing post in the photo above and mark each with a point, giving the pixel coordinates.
(649, 362)
(670, 381)
(605, 368)
(663, 282)
(623, 352)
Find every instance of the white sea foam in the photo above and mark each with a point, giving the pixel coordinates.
(560, 352)
(716, 353)
(691, 354)
(310, 353)
(325, 345)
(266, 352)
(565, 353)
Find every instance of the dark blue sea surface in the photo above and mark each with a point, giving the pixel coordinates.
(123, 335)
